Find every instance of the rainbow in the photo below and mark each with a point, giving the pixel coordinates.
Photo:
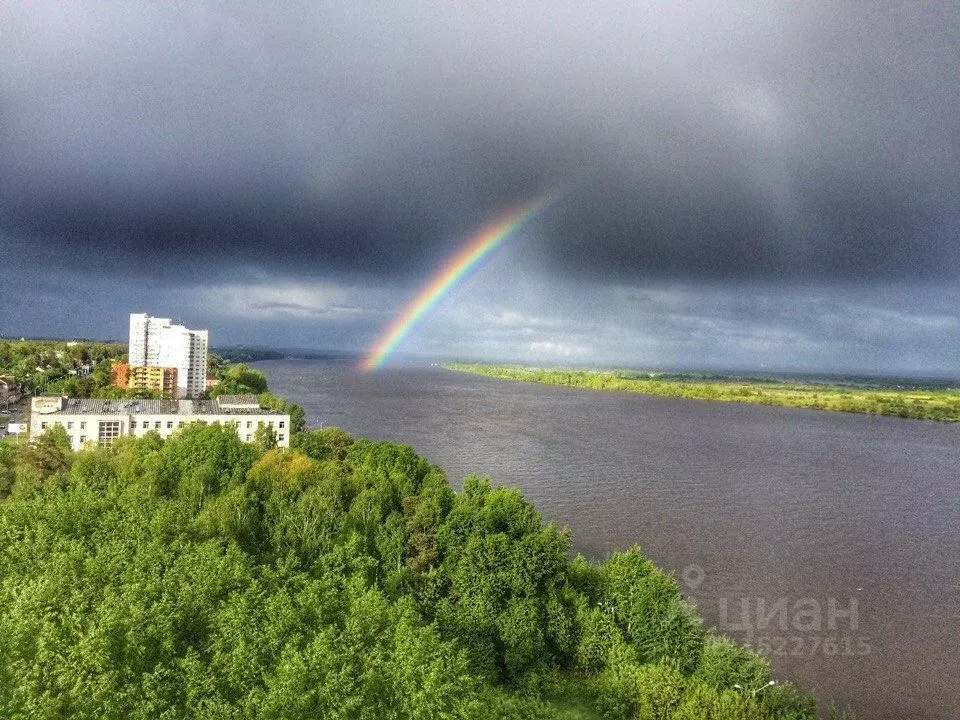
(467, 257)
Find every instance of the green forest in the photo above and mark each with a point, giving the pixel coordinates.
(921, 403)
(78, 368)
(202, 577)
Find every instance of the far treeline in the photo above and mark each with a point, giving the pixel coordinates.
(916, 402)
(204, 577)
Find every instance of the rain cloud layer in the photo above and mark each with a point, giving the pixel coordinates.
(747, 185)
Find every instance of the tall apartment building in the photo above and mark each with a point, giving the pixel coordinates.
(145, 338)
(186, 350)
(159, 342)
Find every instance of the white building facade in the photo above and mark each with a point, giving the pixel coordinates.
(99, 422)
(145, 331)
(160, 342)
(186, 350)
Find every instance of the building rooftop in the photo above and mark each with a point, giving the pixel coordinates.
(95, 406)
(238, 401)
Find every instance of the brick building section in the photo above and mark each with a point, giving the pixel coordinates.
(145, 377)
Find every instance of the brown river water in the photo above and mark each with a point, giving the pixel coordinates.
(830, 540)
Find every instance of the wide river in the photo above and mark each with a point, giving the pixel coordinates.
(832, 540)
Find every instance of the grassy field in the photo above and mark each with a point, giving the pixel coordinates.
(915, 402)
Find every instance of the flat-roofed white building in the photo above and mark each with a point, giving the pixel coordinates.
(159, 342)
(102, 421)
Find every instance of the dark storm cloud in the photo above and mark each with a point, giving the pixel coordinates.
(846, 228)
(187, 236)
(761, 142)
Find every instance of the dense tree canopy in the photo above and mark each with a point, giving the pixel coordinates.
(204, 577)
(75, 368)
(238, 380)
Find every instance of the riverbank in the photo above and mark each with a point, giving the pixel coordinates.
(772, 504)
(941, 404)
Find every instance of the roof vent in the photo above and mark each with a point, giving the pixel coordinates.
(238, 402)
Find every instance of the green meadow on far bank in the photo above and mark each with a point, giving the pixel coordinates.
(927, 403)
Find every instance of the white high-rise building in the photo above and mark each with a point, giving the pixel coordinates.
(145, 333)
(186, 350)
(157, 341)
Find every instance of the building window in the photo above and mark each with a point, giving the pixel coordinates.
(83, 426)
(248, 437)
(109, 431)
(69, 426)
(169, 424)
(281, 424)
(43, 426)
(133, 424)
(249, 424)
(180, 424)
(156, 425)
(83, 439)
(280, 437)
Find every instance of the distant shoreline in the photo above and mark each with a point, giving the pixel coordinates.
(941, 404)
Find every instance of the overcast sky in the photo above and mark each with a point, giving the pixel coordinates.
(744, 185)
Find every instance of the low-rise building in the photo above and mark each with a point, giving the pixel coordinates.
(102, 421)
(10, 391)
(145, 377)
(120, 374)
